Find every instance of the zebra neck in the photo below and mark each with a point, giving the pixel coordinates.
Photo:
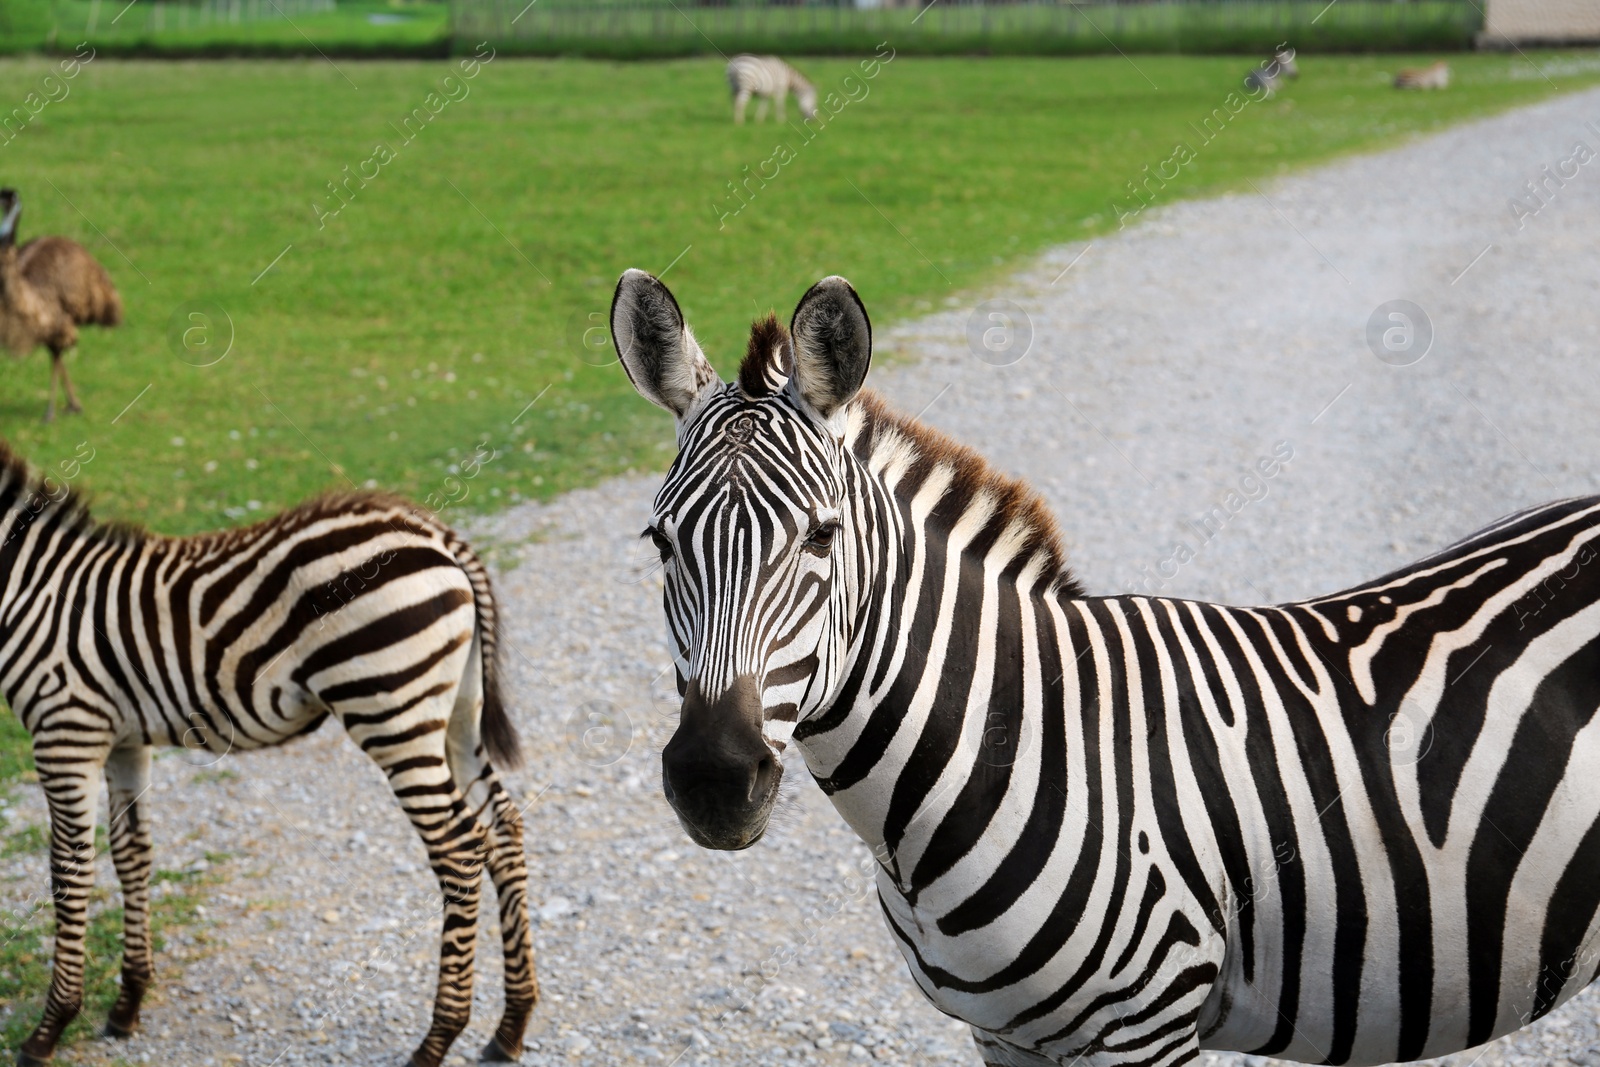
(955, 667)
(42, 542)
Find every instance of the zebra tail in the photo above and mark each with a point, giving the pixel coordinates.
(499, 734)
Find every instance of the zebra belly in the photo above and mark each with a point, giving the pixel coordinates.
(1130, 1008)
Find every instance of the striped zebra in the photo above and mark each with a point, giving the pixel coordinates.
(1115, 830)
(358, 606)
(769, 78)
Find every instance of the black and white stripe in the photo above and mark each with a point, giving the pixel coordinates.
(768, 78)
(1116, 830)
(360, 607)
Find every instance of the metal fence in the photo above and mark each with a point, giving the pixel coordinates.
(111, 17)
(658, 27)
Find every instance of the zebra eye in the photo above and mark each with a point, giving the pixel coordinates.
(820, 540)
(663, 545)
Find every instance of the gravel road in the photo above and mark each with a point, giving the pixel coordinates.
(1163, 362)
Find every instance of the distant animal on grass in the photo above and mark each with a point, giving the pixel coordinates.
(1433, 76)
(48, 288)
(1271, 73)
(768, 78)
(356, 606)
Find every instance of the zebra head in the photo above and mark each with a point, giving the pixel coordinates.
(758, 589)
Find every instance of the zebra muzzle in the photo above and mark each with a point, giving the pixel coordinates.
(718, 772)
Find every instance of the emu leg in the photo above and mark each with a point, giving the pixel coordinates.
(128, 778)
(55, 372)
(73, 407)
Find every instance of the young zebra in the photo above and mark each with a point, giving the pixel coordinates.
(1433, 76)
(1115, 830)
(358, 606)
(769, 78)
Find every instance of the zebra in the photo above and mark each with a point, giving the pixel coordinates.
(1270, 73)
(1433, 76)
(1114, 830)
(358, 606)
(769, 78)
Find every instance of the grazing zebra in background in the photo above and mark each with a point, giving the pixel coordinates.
(1114, 830)
(1271, 72)
(1433, 76)
(359, 606)
(769, 78)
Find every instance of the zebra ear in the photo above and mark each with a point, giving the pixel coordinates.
(832, 345)
(657, 350)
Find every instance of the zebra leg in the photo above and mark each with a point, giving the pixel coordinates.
(71, 792)
(456, 845)
(127, 779)
(740, 99)
(491, 807)
(508, 868)
(761, 109)
(777, 106)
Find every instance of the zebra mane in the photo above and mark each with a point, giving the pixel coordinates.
(1015, 501)
(22, 488)
(768, 359)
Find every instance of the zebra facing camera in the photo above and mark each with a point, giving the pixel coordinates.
(599, 733)
(999, 332)
(1399, 333)
(200, 332)
(589, 335)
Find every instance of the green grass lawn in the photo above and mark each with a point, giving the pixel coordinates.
(386, 343)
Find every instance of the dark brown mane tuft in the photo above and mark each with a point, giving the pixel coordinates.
(41, 493)
(1015, 501)
(767, 359)
(21, 486)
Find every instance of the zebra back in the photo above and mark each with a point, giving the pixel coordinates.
(763, 76)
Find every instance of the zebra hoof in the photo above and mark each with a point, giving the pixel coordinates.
(25, 1060)
(495, 1052)
(118, 1030)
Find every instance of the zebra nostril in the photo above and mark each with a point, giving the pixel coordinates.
(761, 778)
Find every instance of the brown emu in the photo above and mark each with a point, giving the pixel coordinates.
(48, 288)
